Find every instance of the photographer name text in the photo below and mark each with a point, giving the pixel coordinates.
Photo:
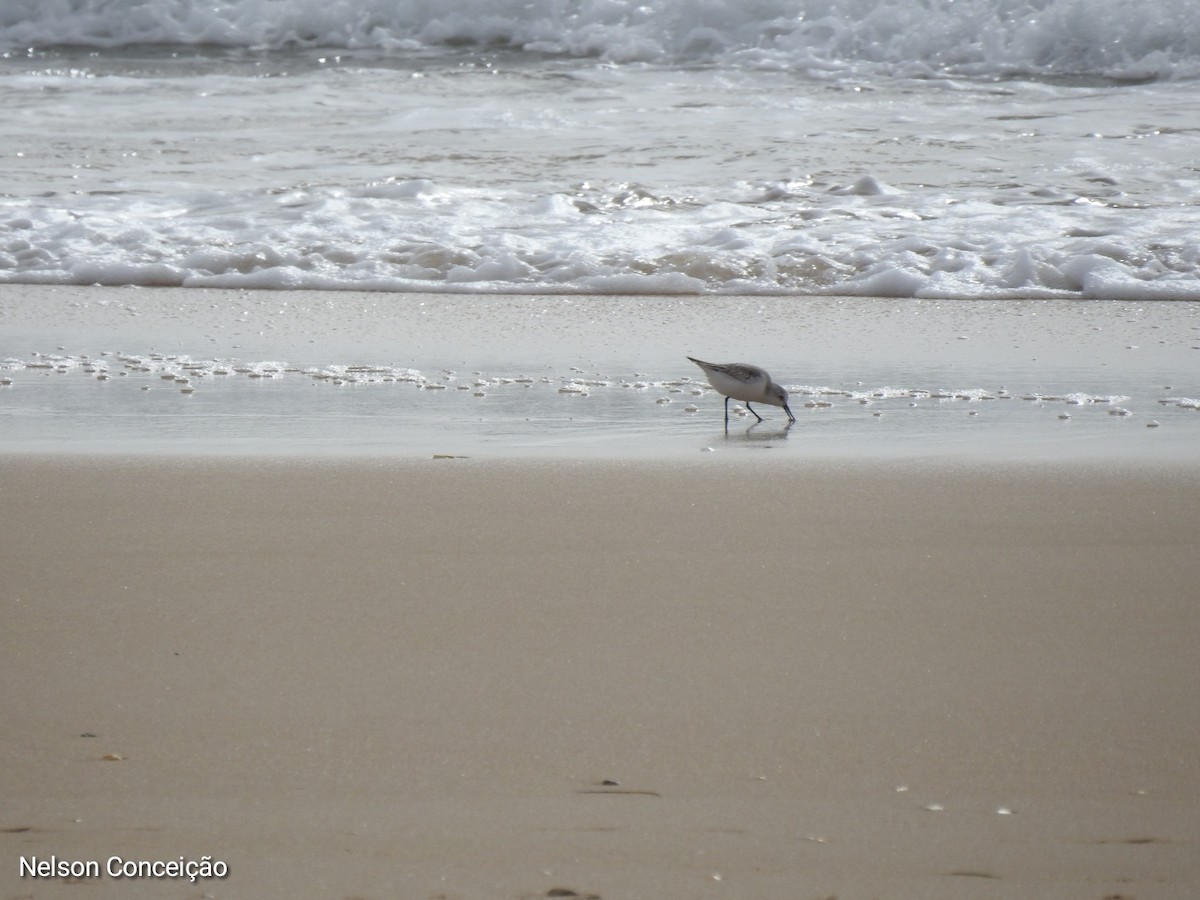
(117, 867)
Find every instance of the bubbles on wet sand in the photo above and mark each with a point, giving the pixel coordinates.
(527, 401)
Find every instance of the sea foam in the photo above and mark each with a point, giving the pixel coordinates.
(1002, 37)
(969, 149)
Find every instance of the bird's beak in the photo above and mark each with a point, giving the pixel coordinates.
(787, 409)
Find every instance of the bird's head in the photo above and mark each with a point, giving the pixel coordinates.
(778, 396)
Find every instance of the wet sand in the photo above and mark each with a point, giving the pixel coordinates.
(180, 372)
(952, 657)
(462, 678)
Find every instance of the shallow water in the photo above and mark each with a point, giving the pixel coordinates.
(795, 149)
(568, 415)
(226, 372)
(561, 200)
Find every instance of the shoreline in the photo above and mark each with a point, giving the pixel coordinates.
(229, 373)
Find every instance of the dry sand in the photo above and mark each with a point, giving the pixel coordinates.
(413, 678)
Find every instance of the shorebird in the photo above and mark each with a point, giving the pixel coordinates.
(746, 383)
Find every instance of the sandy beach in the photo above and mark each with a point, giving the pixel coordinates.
(367, 532)
(769, 671)
(451, 678)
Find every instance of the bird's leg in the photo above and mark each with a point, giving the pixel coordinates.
(751, 408)
(727, 415)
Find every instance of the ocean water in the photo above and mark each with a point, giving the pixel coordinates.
(965, 149)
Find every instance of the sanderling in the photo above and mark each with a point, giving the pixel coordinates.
(746, 383)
